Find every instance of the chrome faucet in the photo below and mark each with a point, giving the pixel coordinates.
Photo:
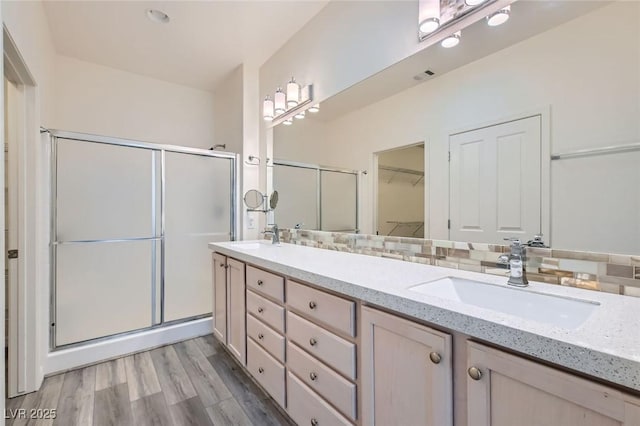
(274, 232)
(516, 263)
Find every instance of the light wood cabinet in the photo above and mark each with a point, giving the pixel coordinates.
(237, 329)
(406, 372)
(220, 297)
(507, 390)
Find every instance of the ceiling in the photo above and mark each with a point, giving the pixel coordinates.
(203, 42)
(528, 18)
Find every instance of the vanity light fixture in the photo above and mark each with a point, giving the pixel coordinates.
(452, 40)
(499, 17)
(280, 101)
(429, 25)
(267, 109)
(288, 122)
(300, 115)
(315, 108)
(474, 2)
(293, 93)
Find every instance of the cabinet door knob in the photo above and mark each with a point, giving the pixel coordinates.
(312, 305)
(313, 341)
(260, 370)
(260, 336)
(260, 282)
(260, 310)
(314, 422)
(435, 357)
(313, 376)
(222, 265)
(474, 373)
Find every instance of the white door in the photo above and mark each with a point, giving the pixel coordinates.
(495, 182)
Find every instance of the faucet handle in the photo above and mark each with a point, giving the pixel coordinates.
(514, 241)
(537, 241)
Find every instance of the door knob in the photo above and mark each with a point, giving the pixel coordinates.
(260, 336)
(313, 341)
(260, 310)
(260, 370)
(260, 282)
(474, 373)
(435, 357)
(313, 376)
(312, 305)
(314, 422)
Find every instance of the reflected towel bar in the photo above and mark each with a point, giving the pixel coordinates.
(598, 151)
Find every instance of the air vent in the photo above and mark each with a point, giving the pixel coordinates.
(423, 75)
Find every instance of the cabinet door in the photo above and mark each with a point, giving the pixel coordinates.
(237, 333)
(406, 372)
(220, 297)
(514, 391)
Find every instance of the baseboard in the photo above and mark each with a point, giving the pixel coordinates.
(67, 359)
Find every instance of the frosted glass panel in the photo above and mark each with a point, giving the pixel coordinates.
(297, 196)
(102, 289)
(338, 201)
(103, 191)
(197, 211)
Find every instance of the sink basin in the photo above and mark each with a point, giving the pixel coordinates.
(254, 245)
(560, 311)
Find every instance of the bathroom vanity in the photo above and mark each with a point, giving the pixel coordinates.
(339, 338)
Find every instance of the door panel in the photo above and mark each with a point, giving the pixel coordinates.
(495, 182)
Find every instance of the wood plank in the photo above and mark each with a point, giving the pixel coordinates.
(236, 380)
(207, 383)
(110, 373)
(151, 410)
(141, 376)
(45, 399)
(190, 412)
(208, 345)
(112, 407)
(174, 381)
(75, 405)
(263, 412)
(228, 412)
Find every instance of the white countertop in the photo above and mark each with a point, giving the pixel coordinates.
(606, 345)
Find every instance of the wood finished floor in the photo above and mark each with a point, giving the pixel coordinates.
(194, 382)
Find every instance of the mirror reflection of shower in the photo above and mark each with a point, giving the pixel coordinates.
(401, 192)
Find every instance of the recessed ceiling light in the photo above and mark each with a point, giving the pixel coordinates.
(158, 16)
(474, 2)
(451, 41)
(429, 25)
(499, 17)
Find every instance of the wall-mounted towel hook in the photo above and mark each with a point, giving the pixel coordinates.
(221, 145)
(253, 161)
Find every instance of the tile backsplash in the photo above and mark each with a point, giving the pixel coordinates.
(612, 273)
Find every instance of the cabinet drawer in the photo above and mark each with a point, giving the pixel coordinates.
(338, 353)
(266, 283)
(266, 311)
(330, 385)
(307, 408)
(327, 308)
(266, 370)
(266, 337)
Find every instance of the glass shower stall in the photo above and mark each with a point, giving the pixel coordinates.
(130, 226)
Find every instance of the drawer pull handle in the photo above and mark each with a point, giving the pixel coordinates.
(260, 336)
(313, 342)
(313, 376)
(435, 357)
(260, 370)
(260, 282)
(312, 305)
(474, 373)
(314, 422)
(260, 310)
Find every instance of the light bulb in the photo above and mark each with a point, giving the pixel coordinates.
(267, 109)
(293, 93)
(474, 2)
(315, 108)
(280, 101)
(300, 115)
(429, 25)
(288, 122)
(452, 40)
(499, 17)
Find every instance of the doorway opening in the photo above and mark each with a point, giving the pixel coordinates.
(401, 192)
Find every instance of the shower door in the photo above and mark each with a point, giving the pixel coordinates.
(131, 223)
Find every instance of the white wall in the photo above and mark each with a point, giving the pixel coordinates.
(227, 110)
(588, 78)
(100, 100)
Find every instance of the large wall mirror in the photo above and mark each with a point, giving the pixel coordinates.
(525, 128)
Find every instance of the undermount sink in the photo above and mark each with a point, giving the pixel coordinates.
(560, 311)
(254, 245)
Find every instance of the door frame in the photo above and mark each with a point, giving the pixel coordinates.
(427, 189)
(24, 369)
(544, 112)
